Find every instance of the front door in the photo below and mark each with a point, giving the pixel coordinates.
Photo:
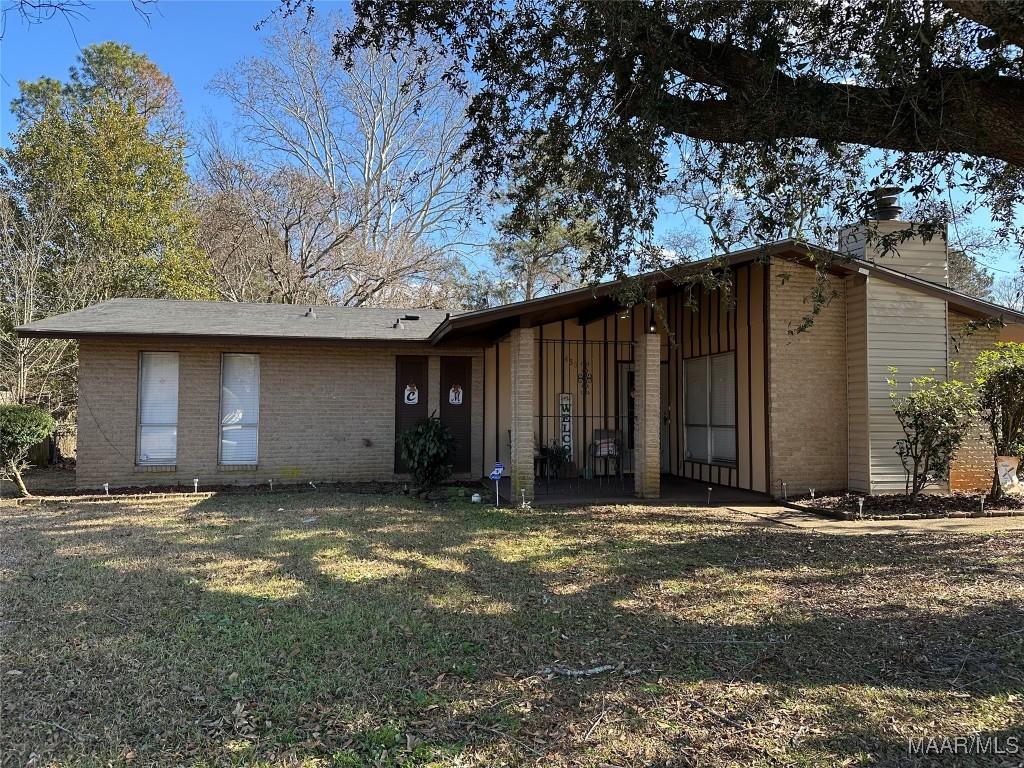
(410, 398)
(456, 396)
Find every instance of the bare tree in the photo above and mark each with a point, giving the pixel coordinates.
(381, 136)
(37, 280)
(1009, 292)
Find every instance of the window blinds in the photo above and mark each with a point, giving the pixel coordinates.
(711, 408)
(239, 408)
(158, 408)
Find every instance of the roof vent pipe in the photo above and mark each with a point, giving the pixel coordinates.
(886, 205)
(311, 314)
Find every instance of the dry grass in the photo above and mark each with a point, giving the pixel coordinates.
(237, 630)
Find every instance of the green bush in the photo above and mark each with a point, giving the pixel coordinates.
(426, 449)
(999, 378)
(21, 427)
(936, 417)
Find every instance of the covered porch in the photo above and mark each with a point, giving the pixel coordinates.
(586, 399)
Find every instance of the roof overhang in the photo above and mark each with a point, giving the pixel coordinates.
(600, 300)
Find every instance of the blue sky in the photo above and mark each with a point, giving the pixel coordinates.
(190, 40)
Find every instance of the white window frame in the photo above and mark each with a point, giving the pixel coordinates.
(708, 426)
(140, 424)
(220, 413)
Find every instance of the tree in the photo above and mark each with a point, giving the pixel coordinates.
(21, 427)
(94, 204)
(541, 249)
(936, 417)
(966, 275)
(631, 97)
(33, 286)
(109, 145)
(380, 136)
(39, 11)
(999, 378)
(1009, 291)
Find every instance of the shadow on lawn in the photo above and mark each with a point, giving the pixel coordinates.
(232, 621)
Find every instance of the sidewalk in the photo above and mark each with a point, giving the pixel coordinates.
(809, 522)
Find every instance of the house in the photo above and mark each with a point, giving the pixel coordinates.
(692, 384)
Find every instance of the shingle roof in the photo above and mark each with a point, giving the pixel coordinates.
(162, 317)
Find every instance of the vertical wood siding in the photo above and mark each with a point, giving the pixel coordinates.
(692, 323)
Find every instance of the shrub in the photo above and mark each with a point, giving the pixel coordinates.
(426, 449)
(21, 427)
(935, 416)
(999, 377)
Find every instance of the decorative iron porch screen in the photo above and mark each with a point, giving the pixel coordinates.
(711, 409)
(157, 439)
(239, 408)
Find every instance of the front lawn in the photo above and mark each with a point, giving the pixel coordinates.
(324, 629)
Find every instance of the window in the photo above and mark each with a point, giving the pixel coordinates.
(239, 408)
(158, 408)
(711, 409)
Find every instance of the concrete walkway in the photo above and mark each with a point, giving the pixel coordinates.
(774, 515)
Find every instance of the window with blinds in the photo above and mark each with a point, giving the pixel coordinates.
(711, 409)
(157, 439)
(239, 408)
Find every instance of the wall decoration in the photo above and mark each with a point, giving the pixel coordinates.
(584, 377)
(412, 394)
(455, 394)
(565, 423)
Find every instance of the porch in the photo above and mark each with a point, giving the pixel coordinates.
(674, 491)
(602, 403)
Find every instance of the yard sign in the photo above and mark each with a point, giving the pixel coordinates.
(565, 423)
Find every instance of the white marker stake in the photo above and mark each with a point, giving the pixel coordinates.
(195, 485)
(106, 489)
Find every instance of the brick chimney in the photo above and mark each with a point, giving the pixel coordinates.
(916, 256)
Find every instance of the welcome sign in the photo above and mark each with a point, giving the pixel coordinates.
(565, 423)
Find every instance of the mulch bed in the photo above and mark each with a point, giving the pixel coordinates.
(898, 506)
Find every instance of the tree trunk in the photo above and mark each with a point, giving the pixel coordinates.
(16, 476)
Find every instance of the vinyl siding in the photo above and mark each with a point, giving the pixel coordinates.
(906, 330)
(857, 384)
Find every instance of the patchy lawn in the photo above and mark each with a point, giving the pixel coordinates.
(321, 629)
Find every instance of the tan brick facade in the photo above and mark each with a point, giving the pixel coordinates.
(647, 467)
(327, 411)
(972, 468)
(523, 377)
(807, 385)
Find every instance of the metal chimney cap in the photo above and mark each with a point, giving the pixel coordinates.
(886, 203)
(310, 313)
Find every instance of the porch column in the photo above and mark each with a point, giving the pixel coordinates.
(647, 457)
(523, 374)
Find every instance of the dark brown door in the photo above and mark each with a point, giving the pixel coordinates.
(456, 399)
(410, 397)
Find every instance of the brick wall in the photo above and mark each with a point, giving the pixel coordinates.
(647, 469)
(327, 411)
(523, 382)
(972, 466)
(807, 385)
